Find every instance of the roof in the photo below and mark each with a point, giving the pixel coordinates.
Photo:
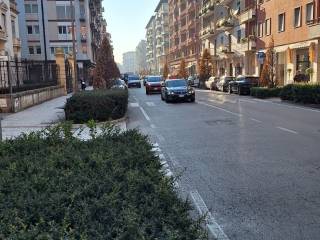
(150, 21)
(160, 3)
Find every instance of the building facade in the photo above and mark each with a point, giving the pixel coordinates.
(10, 44)
(229, 32)
(295, 28)
(151, 45)
(129, 62)
(141, 60)
(161, 34)
(46, 25)
(184, 28)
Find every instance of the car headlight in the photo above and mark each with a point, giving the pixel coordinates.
(170, 92)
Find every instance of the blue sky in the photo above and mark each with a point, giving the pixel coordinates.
(126, 22)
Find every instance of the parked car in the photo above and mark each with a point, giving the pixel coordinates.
(211, 83)
(177, 89)
(153, 84)
(223, 84)
(194, 81)
(243, 84)
(119, 84)
(134, 81)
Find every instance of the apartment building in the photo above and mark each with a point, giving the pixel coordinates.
(295, 28)
(151, 45)
(229, 31)
(9, 30)
(141, 54)
(184, 28)
(129, 61)
(46, 25)
(162, 34)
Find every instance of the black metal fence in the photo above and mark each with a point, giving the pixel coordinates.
(23, 75)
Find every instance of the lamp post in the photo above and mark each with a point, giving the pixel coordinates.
(75, 66)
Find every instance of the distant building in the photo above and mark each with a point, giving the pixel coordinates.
(151, 46)
(141, 57)
(129, 59)
(9, 29)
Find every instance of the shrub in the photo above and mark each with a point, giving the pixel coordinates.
(99, 105)
(261, 92)
(110, 187)
(303, 93)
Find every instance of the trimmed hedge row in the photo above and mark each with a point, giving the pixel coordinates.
(262, 92)
(303, 93)
(110, 187)
(99, 105)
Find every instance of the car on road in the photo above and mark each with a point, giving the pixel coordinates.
(134, 81)
(211, 83)
(177, 89)
(153, 84)
(242, 84)
(194, 81)
(223, 84)
(119, 84)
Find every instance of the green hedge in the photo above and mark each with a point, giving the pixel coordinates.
(110, 187)
(99, 105)
(262, 92)
(303, 93)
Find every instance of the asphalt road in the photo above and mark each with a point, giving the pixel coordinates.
(254, 164)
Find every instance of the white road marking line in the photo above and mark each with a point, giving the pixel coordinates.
(153, 126)
(255, 120)
(222, 109)
(145, 114)
(261, 100)
(135, 104)
(161, 156)
(221, 101)
(155, 145)
(212, 225)
(156, 149)
(287, 130)
(150, 104)
(168, 173)
(245, 100)
(135, 98)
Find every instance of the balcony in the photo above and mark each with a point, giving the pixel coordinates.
(249, 43)
(13, 7)
(3, 36)
(225, 24)
(222, 2)
(207, 9)
(16, 43)
(247, 16)
(226, 49)
(82, 18)
(206, 33)
(83, 38)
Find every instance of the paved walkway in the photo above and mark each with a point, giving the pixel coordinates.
(34, 118)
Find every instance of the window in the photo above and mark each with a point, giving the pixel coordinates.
(63, 12)
(62, 29)
(309, 13)
(3, 22)
(297, 17)
(238, 36)
(31, 8)
(13, 27)
(221, 40)
(38, 49)
(281, 22)
(52, 50)
(31, 50)
(29, 29)
(260, 30)
(268, 27)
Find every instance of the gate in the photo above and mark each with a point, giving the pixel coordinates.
(69, 77)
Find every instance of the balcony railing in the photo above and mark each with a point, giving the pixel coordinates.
(207, 9)
(207, 32)
(249, 43)
(225, 24)
(3, 36)
(247, 15)
(226, 49)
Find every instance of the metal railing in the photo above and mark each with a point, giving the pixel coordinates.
(18, 76)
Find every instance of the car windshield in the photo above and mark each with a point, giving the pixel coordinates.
(176, 83)
(154, 79)
(250, 79)
(133, 78)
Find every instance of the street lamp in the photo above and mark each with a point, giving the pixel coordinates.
(75, 67)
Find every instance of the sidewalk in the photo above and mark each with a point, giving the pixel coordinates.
(34, 118)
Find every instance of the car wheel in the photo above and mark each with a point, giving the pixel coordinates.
(239, 91)
(192, 99)
(230, 90)
(147, 92)
(139, 86)
(166, 99)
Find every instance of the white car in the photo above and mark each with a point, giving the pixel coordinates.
(211, 83)
(223, 84)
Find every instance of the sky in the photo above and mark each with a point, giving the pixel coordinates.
(126, 21)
